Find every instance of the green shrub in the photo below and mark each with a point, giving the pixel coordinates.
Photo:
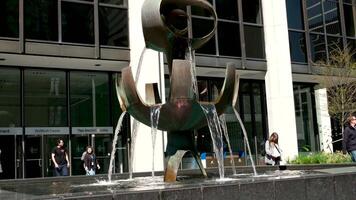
(321, 158)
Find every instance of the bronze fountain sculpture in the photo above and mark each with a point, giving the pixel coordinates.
(165, 30)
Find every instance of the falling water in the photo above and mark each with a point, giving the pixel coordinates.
(113, 151)
(216, 135)
(155, 110)
(138, 72)
(190, 57)
(246, 139)
(135, 126)
(226, 134)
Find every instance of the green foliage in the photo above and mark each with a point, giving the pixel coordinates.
(321, 158)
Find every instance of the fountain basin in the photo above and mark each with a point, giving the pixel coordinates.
(318, 182)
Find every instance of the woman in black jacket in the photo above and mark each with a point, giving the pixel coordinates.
(349, 137)
(90, 161)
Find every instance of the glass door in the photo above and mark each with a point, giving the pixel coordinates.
(78, 144)
(33, 158)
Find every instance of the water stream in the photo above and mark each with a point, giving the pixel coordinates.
(113, 150)
(216, 135)
(135, 126)
(155, 110)
(226, 134)
(246, 139)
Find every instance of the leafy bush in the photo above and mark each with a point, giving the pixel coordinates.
(321, 158)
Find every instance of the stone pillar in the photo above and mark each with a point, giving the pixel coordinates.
(152, 66)
(278, 80)
(323, 119)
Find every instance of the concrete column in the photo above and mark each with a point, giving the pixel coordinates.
(323, 119)
(278, 80)
(150, 73)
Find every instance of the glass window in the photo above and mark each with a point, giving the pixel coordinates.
(113, 24)
(349, 13)
(41, 19)
(10, 105)
(251, 10)
(116, 2)
(45, 98)
(254, 42)
(332, 17)
(9, 18)
(295, 14)
(227, 9)
(77, 23)
(201, 27)
(297, 46)
(229, 39)
(315, 15)
(334, 43)
(317, 44)
(89, 99)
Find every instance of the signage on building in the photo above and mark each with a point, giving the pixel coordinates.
(10, 131)
(92, 130)
(47, 131)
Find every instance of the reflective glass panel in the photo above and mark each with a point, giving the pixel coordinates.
(317, 44)
(350, 16)
(9, 18)
(113, 28)
(77, 23)
(41, 19)
(297, 46)
(315, 15)
(254, 41)
(89, 99)
(295, 14)
(252, 11)
(332, 17)
(227, 9)
(202, 27)
(10, 105)
(229, 39)
(45, 98)
(116, 2)
(334, 43)
(201, 12)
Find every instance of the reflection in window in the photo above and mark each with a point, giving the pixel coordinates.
(229, 39)
(227, 9)
(45, 98)
(77, 23)
(202, 27)
(332, 19)
(9, 98)
(9, 18)
(89, 100)
(252, 11)
(41, 20)
(349, 13)
(295, 14)
(113, 26)
(254, 42)
(315, 15)
(297, 46)
(317, 44)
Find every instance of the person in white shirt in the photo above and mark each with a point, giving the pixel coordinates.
(273, 152)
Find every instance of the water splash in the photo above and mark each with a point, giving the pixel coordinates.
(113, 151)
(216, 134)
(135, 126)
(246, 139)
(155, 110)
(226, 134)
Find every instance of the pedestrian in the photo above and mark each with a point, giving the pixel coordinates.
(273, 151)
(349, 137)
(60, 159)
(90, 161)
